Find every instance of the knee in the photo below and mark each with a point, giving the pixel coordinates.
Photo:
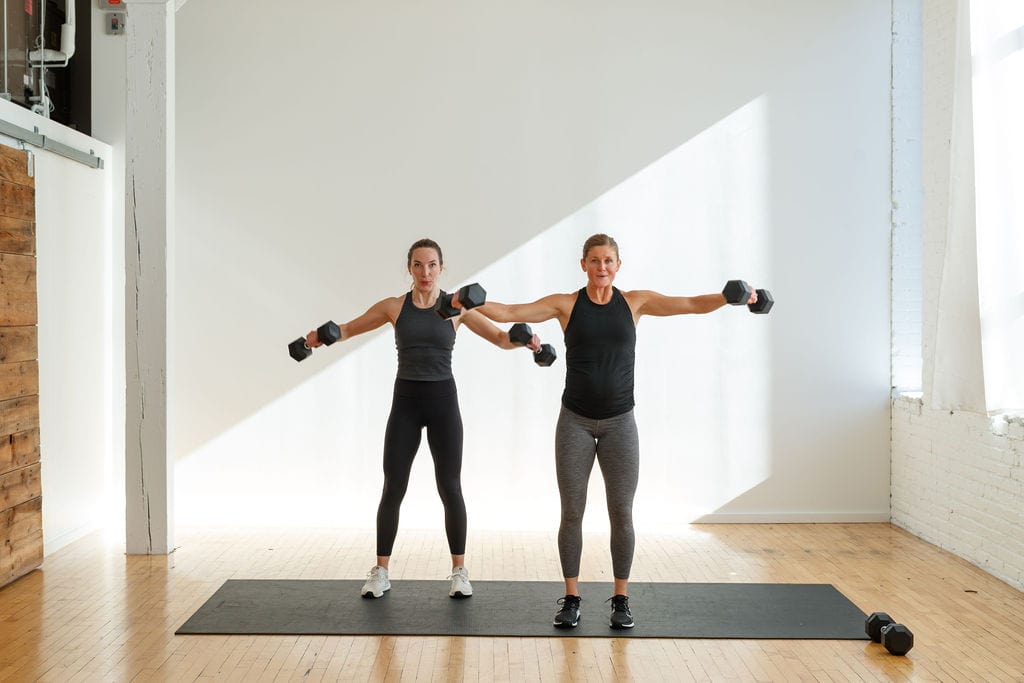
(450, 490)
(621, 518)
(393, 492)
(572, 515)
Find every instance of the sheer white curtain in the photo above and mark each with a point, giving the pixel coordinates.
(979, 335)
(957, 374)
(997, 50)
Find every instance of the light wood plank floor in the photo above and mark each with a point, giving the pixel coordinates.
(93, 614)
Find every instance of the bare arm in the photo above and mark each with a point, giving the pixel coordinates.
(646, 302)
(382, 312)
(491, 332)
(552, 306)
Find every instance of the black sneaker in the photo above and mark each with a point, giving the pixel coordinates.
(621, 617)
(569, 615)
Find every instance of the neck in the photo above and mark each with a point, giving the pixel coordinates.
(599, 295)
(425, 299)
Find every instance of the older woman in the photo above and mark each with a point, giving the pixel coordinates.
(596, 419)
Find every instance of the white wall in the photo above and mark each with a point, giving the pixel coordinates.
(76, 303)
(738, 139)
(108, 124)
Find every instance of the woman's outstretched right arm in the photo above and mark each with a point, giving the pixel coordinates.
(382, 312)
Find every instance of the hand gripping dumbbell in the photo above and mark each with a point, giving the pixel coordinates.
(467, 297)
(737, 292)
(896, 638)
(520, 334)
(328, 333)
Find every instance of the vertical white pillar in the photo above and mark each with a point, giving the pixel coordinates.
(149, 219)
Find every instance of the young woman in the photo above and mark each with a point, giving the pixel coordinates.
(596, 419)
(425, 396)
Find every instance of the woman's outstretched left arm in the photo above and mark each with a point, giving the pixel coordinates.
(647, 302)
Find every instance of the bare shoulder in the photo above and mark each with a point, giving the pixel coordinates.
(562, 303)
(641, 302)
(391, 306)
(568, 299)
(638, 297)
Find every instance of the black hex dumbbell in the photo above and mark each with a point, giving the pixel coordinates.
(328, 333)
(520, 334)
(545, 355)
(874, 623)
(737, 292)
(469, 296)
(764, 302)
(896, 638)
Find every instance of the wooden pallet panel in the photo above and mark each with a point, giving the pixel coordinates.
(19, 415)
(17, 201)
(20, 486)
(17, 236)
(21, 533)
(19, 450)
(21, 529)
(21, 522)
(17, 290)
(14, 167)
(19, 379)
(18, 344)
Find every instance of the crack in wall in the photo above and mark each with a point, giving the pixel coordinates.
(137, 274)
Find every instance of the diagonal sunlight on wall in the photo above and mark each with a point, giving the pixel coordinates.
(685, 224)
(275, 467)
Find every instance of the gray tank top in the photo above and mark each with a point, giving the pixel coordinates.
(424, 341)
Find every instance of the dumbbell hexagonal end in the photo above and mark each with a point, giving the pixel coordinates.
(545, 356)
(298, 349)
(897, 639)
(520, 334)
(736, 292)
(444, 307)
(328, 333)
(874, 624)
(764, 302)
(472, 296)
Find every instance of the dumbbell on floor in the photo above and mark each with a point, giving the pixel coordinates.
(328, 333)
(469, 296)
(896, 638)
(520, 334)
(737, 292)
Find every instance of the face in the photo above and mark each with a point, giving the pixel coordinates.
(600, 265)
(425, 268)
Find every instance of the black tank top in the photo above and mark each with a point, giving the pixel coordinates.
(600, 349)
(424, 341)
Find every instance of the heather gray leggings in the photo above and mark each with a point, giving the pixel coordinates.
(616, 445)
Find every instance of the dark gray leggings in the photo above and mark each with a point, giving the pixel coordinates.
(616, 445)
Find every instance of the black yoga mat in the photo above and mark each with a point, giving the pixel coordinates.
(525, 608)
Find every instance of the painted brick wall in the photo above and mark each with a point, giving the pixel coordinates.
(907, 197)
(958, 482)
(956, 478)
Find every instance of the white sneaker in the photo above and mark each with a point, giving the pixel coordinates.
(460, 587)
(376, 583)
